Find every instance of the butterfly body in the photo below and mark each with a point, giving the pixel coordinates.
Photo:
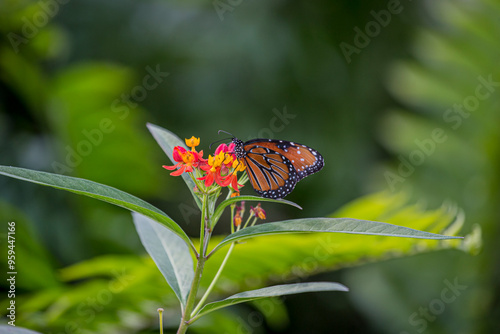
(275, 166)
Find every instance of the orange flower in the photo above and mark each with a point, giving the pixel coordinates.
(258, 211)
(192, 142)
(237, 219)
(240, 210)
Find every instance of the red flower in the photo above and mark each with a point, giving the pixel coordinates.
(213, 168)
(186, 160)
(222, 168)
(228, 152)
(213, 175)
(232, 179)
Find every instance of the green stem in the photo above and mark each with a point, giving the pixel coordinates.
(212, 284)
(202, 225)
(192, 296)
(254, 221)
(248, 220)
(160, 315)
(232, 217)
(195, 180)
(204, 239)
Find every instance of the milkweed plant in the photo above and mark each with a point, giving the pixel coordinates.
(221, 174)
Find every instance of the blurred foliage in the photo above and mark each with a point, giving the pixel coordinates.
(34, 256)
(129, 286)
(445, 87)
(64, 76)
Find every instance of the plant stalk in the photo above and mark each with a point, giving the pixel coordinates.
(160, 316)
(212, 284)
(204, 239)
(186, 316)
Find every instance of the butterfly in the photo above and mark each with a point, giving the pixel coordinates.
(275, 166)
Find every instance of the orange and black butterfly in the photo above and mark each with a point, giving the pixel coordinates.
(275, 166)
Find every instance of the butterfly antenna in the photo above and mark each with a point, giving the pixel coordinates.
(217, 141)
(226, 133)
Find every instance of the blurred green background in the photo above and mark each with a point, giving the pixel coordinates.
(400, 97)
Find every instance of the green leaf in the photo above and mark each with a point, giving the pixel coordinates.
(169, 252)
(97, 191)
(7, 329)
(167, 141)
(339, 225)
(272, 291)
(102, 266)
(305, 254)
(220, 209)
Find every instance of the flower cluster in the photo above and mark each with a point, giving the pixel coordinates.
(222, 168)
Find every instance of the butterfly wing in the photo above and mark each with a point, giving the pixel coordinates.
(275, 166)
(305, 160)
(272, 175)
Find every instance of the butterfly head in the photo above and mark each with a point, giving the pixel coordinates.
(238, 148)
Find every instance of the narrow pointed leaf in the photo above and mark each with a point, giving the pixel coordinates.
(339, 225)
(272, 291)
(220, 209)
(169, 252)
(97, 191)
(167, 141)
